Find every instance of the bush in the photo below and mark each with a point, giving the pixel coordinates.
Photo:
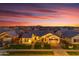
(64, 46)
(19, 47)
(47, 46)
(76, 46)
(38, 46)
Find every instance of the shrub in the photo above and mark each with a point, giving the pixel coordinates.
(38, 46)
(19, 47)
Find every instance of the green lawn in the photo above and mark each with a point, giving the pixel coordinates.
(73, 53)
(30, 53)
(75, 47)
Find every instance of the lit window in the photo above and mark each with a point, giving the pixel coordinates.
(29, 40)
(76, 40)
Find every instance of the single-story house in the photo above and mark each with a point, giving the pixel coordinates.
(52, 39)
(75, 39)
(34, 36)
(26, 38)
(70, 37)
(8, 37)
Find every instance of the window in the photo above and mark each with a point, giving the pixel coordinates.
(56, 39)
(53, 39)
(50, 39)
(26, 40)
(76, 40)
(35, 38)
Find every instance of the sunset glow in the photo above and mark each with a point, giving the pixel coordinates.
(46, 14)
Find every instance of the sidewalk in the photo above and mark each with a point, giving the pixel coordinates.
(60, 53)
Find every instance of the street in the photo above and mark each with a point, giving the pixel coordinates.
(57, 52)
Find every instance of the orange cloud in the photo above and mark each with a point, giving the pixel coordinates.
(14, 23)
(31, 17)
(69, 13)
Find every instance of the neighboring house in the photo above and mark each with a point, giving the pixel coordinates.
(69, 33)
(70, 36)
(5, 39)
(13, 35)
(4, 36)
(8, 36)
(29, 38)
(75, 39)
(26, 41)
(26, 38)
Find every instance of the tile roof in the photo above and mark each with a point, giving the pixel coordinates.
(69, 33)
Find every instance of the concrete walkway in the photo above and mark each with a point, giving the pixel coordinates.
(60, 53)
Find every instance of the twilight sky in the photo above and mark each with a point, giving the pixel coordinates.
(44, 14)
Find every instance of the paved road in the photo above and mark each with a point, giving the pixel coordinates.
(57, 52)
(37, 50)
(27, 50)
